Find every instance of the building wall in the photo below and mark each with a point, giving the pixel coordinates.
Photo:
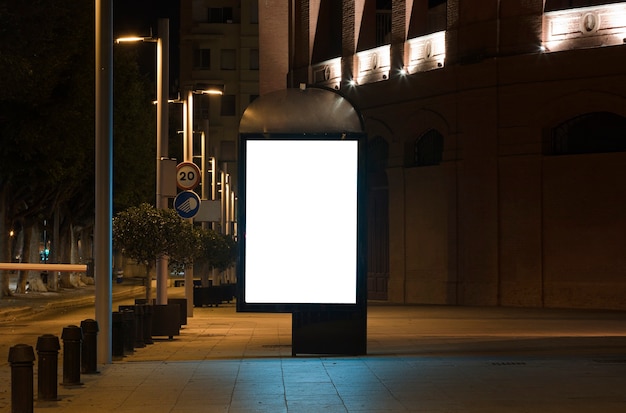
(228, 32)
(498, 221)
(274, 38)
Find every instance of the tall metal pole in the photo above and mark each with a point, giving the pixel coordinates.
(163, 86)
(103, 231)
(188, 144)
(188, 157)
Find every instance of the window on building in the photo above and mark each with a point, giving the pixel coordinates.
(228, 59)
(202, 59)
(383, 22)
(596, 132)
(428, 149)
(220, 15)
(254, 59)
(201, 107)
(552, 5)
(228, 105)
(327, 43)
(428, 20)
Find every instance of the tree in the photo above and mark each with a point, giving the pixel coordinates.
(145, 234)
(139, 232)
(183, 241)
(47, 128)
(46, 112)
(217, 251)
(134, 129)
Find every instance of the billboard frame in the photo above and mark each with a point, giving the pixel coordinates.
(361, 222)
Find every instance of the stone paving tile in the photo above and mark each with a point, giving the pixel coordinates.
(420, 359)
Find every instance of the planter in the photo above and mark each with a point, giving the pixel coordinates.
(165, 320)
(182, 306)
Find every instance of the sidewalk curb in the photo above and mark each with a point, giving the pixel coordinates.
(88, 300)
(12, 313)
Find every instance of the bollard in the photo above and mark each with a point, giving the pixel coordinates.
(89, 349)
(72, 337)
(47, 367)
(117, 335)
(21, 358)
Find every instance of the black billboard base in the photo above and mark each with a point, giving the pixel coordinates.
(329, 333)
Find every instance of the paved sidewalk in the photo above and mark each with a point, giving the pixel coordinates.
(420, 359)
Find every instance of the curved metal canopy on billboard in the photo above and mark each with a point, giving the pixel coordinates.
(304, 110)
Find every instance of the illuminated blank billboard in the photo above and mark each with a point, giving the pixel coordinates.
(300, 226)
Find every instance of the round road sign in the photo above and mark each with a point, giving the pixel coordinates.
(187, 204)
(187, 175)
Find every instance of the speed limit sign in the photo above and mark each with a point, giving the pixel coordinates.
(187, 175)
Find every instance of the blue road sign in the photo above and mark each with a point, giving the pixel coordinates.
(187, 204)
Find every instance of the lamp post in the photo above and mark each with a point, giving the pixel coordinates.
(103, 232)
(188, 157)
(163, 82)
(162, 68)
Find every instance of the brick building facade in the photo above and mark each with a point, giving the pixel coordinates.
(497, 141)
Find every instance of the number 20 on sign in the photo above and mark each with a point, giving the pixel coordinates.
(187, 175)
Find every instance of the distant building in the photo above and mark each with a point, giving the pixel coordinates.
(219, 46)
(497, 167)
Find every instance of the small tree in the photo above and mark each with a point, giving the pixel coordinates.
(183, 242)
(217, 251)
(140, 233)
(145, 234)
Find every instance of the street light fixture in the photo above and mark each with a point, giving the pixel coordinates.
(162, 65)
(188, 155)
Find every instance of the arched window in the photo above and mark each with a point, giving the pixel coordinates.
(428, 149)
(590, 133)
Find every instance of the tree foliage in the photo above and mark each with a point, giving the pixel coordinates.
(218, 251)
(47, 133)
(134, 146)
(144, 234)
(46, 113)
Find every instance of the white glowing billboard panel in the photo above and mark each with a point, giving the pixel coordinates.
(301, 221)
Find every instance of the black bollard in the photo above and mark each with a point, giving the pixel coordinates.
(117, 335)
(47, 367)
(72, 337)
(21, 358)
(89, 349)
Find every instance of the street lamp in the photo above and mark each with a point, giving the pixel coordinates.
(188, 156)
(103, 232)
(200, 89)
(162, 66)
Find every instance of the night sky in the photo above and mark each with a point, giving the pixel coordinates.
(137, 17)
